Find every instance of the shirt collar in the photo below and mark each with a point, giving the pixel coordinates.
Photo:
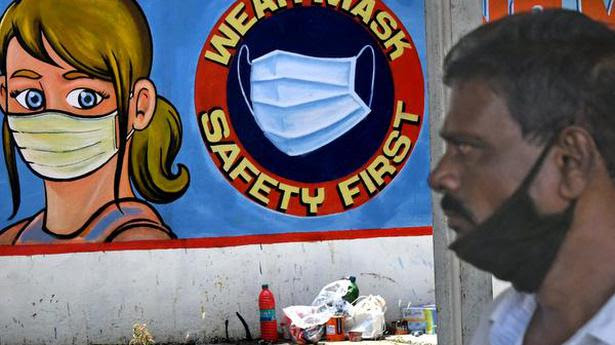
(512, 299)
(510, 317)
(601, 326)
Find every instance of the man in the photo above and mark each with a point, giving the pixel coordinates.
(528, 177)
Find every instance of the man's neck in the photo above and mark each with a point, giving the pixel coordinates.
(581, 279)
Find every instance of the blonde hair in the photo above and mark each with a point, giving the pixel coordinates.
(109, 40)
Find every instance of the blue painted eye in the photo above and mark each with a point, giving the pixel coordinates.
(31, 99)
(84, 98)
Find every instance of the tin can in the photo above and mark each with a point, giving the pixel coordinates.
(431, 319)
(415, 319)
(401, 327)
(335, 329)
(421, 318)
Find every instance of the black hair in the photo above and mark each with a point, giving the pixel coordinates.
(554, 68)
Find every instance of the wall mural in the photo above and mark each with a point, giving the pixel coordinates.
(598, 9)
(211, 123)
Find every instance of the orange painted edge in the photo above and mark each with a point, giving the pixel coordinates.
(212, 242)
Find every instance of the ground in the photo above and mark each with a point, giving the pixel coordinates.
(390, 340)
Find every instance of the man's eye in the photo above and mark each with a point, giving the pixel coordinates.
(464, 148)
(31, 99)
(84, 98)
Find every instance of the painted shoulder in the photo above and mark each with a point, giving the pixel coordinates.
(148, 225)
(9, 234)
(141, 232)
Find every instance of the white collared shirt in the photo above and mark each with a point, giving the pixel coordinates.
(507, 318)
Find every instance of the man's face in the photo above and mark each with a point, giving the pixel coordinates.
(486, 157)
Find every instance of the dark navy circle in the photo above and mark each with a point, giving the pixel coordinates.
(317, 32)
(35, 99)
(87, 99)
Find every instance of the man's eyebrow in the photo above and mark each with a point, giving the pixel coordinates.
(26, 73)
(72, 75)
(456, 138)
(447, 136)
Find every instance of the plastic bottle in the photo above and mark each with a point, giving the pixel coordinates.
(269, 324)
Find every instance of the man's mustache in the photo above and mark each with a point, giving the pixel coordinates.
(451, 205)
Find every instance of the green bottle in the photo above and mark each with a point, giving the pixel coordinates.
(353, 290)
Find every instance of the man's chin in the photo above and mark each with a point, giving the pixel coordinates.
(460, 225)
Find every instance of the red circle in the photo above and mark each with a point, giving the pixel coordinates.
(210, 94)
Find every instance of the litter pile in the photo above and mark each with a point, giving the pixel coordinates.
(337, 313)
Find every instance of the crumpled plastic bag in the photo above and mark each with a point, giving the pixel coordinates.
(332, 293)
(367, 317)
(305, 317)
(328, 302)
(310, 335)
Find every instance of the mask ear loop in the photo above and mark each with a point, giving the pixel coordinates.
(538, 163)
(243, 92)
(130, 134)
(132, 130)
(373, 70)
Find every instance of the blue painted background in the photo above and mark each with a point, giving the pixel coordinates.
(211, 206)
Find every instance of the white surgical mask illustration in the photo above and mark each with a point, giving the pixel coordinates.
(61, 146)
(302, 103)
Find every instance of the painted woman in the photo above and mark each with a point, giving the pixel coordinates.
(81, 112)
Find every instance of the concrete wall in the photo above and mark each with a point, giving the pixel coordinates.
(462, 291)
(185, 295)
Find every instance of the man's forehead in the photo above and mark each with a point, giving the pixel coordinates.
(475, 109)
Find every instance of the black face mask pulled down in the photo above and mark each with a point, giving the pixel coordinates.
(516, 243)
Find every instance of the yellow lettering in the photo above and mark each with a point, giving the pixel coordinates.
(387, 25)
(240, 170)
(312, 201)
(288, 192)
(227, 153)
(345, 3)
(400, 115)
(282, 3)
(262, 185)
(237, 18)
(397, 41)
(219, 127)
(403, 143)
(260, 6)
(380, 167)
(367, 181)
(364, 9)
(230, 39)
(348, 190)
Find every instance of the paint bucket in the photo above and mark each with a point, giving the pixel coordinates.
(335, 329)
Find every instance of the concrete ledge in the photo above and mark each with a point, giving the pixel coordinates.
(427, 339)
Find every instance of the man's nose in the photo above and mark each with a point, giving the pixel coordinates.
(444, 178)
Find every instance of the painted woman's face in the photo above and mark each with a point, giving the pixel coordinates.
(34, 86)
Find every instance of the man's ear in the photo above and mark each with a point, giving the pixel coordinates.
(576, 159)
(142, 104)
(3, 94)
